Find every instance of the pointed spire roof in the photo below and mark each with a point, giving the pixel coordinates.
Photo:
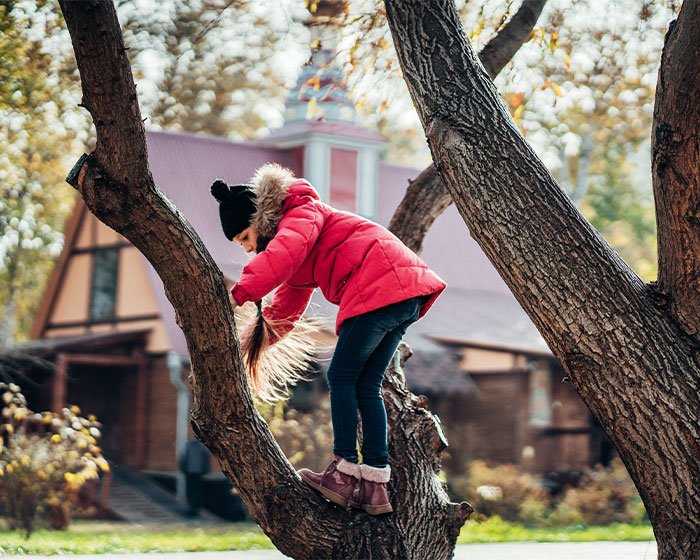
(320, 92)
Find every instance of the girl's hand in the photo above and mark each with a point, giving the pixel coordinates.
(234, 304)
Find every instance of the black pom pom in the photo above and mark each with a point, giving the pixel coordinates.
(220, 190)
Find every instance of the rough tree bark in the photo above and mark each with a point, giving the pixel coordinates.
(427, 196)
(620, 341)
(675, 164)
(117, 187)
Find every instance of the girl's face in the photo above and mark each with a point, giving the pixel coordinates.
(248, 239)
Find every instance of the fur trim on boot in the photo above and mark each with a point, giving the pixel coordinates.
(374, 494)
(375, 474)
(352, 469)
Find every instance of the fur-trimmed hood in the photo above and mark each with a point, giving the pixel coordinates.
(272, 184)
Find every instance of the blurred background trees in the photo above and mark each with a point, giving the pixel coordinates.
(219, 67)
(37, 122)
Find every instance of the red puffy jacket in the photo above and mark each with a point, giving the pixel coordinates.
(358, 264)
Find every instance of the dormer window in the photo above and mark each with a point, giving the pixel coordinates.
(540, 396)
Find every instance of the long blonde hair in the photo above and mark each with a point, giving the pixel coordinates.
(272, 368)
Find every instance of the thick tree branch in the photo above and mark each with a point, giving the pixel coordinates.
(427, 196)
(676, 167)
(595, 314)
(113, 105)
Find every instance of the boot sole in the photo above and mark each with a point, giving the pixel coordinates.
(378, 510)
(332, 496)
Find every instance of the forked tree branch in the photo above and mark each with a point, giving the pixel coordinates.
(117, 186)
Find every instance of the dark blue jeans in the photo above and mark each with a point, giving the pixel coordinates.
(366, 345)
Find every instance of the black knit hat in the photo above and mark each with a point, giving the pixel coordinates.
(236, 206)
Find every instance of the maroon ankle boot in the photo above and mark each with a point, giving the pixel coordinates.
(374, 496)
(340, 482)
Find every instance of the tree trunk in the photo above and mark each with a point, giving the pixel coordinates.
(618, 340)
(675, 165)
(427, 196)
(117, 187)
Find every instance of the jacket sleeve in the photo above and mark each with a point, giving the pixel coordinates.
(287, 307)
(297, 232)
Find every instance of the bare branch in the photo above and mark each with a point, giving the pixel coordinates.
(498, 52)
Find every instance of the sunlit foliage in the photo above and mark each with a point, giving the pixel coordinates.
(45, 459)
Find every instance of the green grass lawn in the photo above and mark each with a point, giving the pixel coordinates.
(497, 530)
(86, 537)
(115, 538)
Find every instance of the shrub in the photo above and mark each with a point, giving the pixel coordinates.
(564, 515)
(45, 458)
(605, 495)
(502, 490)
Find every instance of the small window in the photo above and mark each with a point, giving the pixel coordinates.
(540, 397)
(343, 179)
(104, 284)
